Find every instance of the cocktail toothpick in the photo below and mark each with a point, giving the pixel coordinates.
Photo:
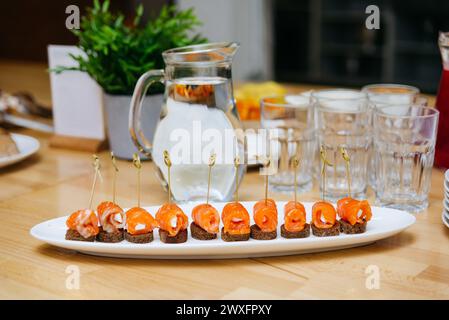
(212, 159)
(266, 162)
(295, 173)
(323, 170)
(138, 166)
(96, 165)
(167, 162)
(114, 176)
(347, 159)
(236, 165)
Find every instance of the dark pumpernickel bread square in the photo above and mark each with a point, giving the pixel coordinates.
(234, 237)
(75, 235)
(333, 231)
(112, 237)
(179, 238)
(139, 238)
(258, 234)
(347, 228)
(304, 233)
(201, 234)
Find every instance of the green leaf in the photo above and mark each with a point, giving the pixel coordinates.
(116, 55)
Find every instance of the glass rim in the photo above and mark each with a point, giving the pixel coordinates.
(224, 53)
(413, 90)
(361, 95)
(304, 105)
(433, 112)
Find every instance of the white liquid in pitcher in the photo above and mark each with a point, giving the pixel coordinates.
(193, 121)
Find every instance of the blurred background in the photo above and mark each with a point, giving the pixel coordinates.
(317, 42)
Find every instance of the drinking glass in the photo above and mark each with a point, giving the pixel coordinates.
(292, 116)
(390, 93)
(404, 148)
(343, 119)
(386, 94)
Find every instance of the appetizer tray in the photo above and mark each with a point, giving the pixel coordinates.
(385, 223)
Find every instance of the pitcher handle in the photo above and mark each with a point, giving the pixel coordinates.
(138, 137)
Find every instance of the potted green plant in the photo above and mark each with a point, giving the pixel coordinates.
(117, 53)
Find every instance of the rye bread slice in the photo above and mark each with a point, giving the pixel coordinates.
(112, 237)
(179, 238)
(258, 234)
(347, 228)
(139, 238)
(304, 233)
(333, 231)
(234, 237)
(201, 234)
(76, 236)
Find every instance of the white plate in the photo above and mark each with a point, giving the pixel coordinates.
(27, 146)
(446, 204)
(385, 223)
(445, 219)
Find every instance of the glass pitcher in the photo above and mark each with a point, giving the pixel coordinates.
(198, 117)
(442, 104)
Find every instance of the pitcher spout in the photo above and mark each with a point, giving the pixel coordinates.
(443, 42)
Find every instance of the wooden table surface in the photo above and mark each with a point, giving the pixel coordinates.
(413, 264)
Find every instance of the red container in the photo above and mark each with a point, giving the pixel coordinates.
(442, 103)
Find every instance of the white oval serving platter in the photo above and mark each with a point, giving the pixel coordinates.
(385, 223)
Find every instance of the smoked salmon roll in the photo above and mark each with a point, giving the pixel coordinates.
(82, 226)
(235, 220)
(266, 220)
(112, 221)
(295, 223)
(354, 215)
(206, 222)
(172, 223)
(324, 220)
(139, 225)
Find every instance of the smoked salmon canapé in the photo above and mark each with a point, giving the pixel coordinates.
(173, 223)
(139, 225)
(235, 220)
(324, 220)
(206, 222)
(266, 220)
(354, 215)
(112, 221)
(295, 223)
(82, 226)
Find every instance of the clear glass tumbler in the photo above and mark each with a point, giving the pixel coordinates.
(390, 93)
(343, 119)
(292, 116)
(404, 148)
(386, 94)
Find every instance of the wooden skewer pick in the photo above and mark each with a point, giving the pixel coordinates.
(212, 159)
(96, 165)
(323, 169)
(266, 161)
(346, 157)
(295, 171)
(114, 177)
(138, 165)
(168, 163)
(236, 165)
